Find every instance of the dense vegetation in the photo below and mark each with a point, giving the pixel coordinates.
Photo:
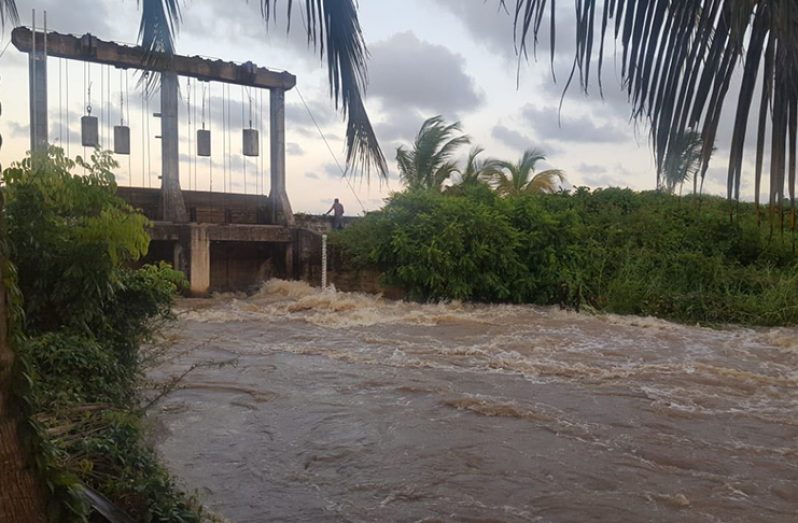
(79, 316)
(611, 250)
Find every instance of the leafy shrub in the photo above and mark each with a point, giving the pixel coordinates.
(610, 249)
(85, 314)
(70, 368)
(68, 235)
(441, 247)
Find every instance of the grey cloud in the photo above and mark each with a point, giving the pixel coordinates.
(17, 130)
(406, 72)
(312, 176)
(619, 176)
(323, 112)
(604, 180)
(74, 16)
(487, 22)
(591, 168)
(243, 24)
(491, 25)
(546, 121)
(510, 137)
(294, 149)
(399, 126)
(521, 142)
(332, 171)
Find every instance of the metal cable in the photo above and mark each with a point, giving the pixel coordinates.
(335, 158)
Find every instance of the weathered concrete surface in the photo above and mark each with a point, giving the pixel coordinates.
(166, 231)
(199, 253)
(173, 208)
(280, 205)
(203, 206)
(320, 223)
(37, 86)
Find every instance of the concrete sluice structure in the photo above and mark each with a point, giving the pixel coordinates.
(228, 244)
(221, 241)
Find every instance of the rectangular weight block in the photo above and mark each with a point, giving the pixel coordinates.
(89, 131)
(203, 142)
(121, 139)
(250, 137)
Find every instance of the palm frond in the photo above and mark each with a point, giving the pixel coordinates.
(477, 170)
(160, 20)
(682, 160)
(333, 29)
(548, 181)
(514, 178)
(678, 59)
(428, 163)
(8, 11)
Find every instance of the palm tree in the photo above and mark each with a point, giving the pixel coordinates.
(518, 178)
(427, 164)
(682, 161)
(678, 60)
(477, 170)
(332, 28)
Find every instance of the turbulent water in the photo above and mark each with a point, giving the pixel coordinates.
(311, 406)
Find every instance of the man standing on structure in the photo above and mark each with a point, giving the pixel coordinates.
(338, 215)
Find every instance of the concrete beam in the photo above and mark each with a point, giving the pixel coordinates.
(168, 231)
(89, 48)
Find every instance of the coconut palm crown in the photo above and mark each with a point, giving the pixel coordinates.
(515, 178)
(477, 170)
(428, 163)
(678, 59)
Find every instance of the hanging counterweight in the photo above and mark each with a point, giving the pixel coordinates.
(251, 141)
(249, 136)
(121, 139)
(89, 131)
(203, 142)
(121, 131)
(89, 126)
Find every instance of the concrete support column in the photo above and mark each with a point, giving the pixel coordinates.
(173, 208)
(37, 70)
(199, 263)
(281, 213)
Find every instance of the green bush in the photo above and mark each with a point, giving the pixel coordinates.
(68, 236)
(78, 323)
(441, 247)
(71, 368)
(613, 250)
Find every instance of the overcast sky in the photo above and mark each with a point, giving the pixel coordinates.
(428, 57)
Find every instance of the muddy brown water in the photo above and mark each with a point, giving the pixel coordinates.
(315, 407)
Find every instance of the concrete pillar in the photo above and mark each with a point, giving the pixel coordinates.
(173, 208)
(199, 261)
(37, 71)
(281, 213)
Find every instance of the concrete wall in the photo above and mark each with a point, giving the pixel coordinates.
(320, 223)
(203, 206)
(307, 254)
(244, 265)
